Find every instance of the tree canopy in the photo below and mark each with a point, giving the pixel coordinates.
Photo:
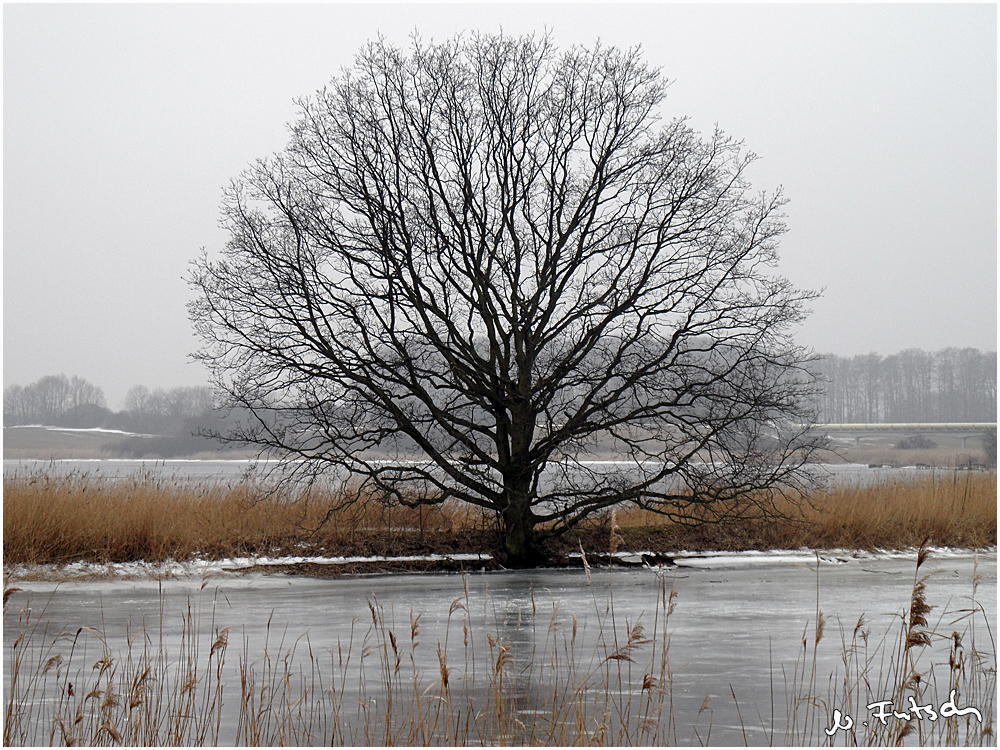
(479, 266)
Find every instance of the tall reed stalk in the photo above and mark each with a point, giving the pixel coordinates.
(892, 686)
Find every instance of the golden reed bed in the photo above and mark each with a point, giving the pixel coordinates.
(50, 519)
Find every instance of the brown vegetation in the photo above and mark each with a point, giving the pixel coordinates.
(954, 509)
(50, 519)
(143, 517)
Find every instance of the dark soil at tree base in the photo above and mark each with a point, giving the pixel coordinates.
(636, 547)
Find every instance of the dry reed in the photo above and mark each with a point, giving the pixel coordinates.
(58, 519)
(67, 688)
(891, 686)
(951, 508)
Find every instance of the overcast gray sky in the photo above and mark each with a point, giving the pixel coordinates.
(122, 124)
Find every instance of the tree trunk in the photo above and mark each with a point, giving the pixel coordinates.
(518, 531)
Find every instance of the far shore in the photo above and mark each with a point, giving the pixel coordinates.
(43, 443)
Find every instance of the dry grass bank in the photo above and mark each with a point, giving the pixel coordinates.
(80, 517)
(957, 509)
(952, 509)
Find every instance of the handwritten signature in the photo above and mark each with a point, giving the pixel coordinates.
(882, 711)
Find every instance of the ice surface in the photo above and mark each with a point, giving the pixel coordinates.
(739, 622)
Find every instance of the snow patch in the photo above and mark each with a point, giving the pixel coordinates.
(99, 430)
(199, 568)
(236, 566)
(800, 557)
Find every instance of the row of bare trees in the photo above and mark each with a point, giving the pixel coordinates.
(145, 405)
(951, 385)
(54, 399)
(61, 401)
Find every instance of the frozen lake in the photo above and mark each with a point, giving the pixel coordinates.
(738, 625)
(232, 470)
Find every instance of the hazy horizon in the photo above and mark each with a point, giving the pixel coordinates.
(122, 125)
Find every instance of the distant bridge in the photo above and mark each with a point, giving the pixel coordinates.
(963, 430)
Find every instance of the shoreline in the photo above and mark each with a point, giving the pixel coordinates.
(383, 566)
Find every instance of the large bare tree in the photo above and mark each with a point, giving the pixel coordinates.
(480, 265)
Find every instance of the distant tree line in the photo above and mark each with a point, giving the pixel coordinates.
(59, 401)
(951, 385)
(55, 400)
(164, 412)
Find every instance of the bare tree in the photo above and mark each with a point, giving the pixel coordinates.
(84, 393)
(137, 399)
(17, 408)
(52, 396)
(481, 264)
